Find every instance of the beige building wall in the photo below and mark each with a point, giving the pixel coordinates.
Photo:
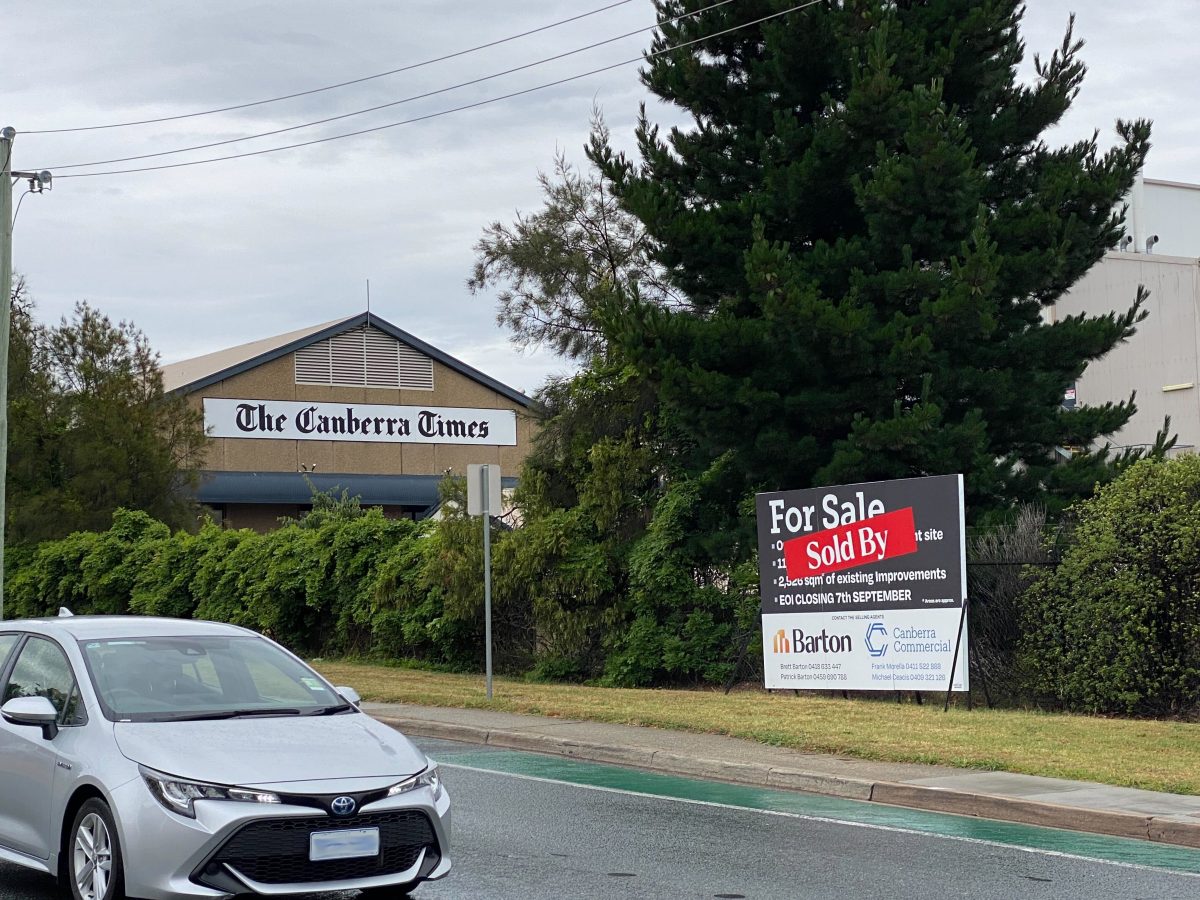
(1162, 361)
(276, 380)
(261, 517)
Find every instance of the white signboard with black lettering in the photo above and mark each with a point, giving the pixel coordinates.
(863, 585)
(304, 421)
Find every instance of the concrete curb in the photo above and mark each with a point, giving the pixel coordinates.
(1179, 830)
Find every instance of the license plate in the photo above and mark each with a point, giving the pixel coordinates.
(348, 844)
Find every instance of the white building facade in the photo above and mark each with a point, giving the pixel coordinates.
(1161, 363)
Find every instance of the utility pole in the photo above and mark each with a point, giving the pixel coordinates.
(38, 182)
(7, 136)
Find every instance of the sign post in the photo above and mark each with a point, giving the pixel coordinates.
(864, 586)
(483, 496)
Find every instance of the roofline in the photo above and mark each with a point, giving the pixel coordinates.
(1162, 182)
(363, 318)
(1160, 258)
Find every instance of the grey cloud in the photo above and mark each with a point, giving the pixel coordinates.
(208, 256)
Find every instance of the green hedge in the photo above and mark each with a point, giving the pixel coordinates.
(350, 582)
(1115, 628)
(568, 601)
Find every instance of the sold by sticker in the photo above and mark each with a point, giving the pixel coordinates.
(857, 544)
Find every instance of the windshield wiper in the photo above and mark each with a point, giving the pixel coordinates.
(331, 710)
(235, 714)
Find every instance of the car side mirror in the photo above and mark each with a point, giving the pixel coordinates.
(349, 694)
(37, 711)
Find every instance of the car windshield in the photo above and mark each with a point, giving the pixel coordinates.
(163, 679)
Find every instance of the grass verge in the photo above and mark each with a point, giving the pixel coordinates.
(1162, 756)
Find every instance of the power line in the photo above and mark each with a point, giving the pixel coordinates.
(342, 84)
(371, 109)
(446, 112)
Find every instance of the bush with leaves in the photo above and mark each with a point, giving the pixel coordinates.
(343, 580)
(683, 616)
(1115, 628)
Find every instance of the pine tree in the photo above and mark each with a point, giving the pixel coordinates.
(869, 227)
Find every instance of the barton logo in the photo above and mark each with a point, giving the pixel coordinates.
(780, 644)
(820, 643)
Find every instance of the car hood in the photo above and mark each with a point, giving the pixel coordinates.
(271, 750)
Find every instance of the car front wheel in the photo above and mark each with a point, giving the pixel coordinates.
(94, 854)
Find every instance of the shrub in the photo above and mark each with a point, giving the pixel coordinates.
(1116, 627)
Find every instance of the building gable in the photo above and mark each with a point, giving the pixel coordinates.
(351, 352)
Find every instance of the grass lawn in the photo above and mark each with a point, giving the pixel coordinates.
(1162, 756)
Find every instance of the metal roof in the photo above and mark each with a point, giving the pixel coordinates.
(190, 375)
(413, 491)
(180, 375)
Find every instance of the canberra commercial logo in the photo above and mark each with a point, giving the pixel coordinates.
(906, 640)
(876, 639)
(799, 642)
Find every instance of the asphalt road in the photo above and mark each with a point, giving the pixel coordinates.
(517, 836)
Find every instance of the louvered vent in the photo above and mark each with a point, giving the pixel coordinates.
(364, 357)
(415, 369)
(312, 365)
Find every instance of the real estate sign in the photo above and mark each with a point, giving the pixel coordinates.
(863, 585)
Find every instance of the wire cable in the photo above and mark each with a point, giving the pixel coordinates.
(446, 112)
(17, 212)
(332, 87)
(371, 109)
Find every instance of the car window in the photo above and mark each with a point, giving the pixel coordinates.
(156, 679)
(42, 670)
(7, 642)
(275, 682)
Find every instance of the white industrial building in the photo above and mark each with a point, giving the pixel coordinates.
(1161, 362)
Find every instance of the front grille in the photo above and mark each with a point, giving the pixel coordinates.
(275, 851)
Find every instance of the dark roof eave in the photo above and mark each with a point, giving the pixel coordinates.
(296, 488)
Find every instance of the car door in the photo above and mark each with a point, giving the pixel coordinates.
(27, 759)
(8, 643)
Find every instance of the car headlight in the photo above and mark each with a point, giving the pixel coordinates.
(179, 796)
(429, 778)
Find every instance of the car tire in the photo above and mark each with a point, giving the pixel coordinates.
(93, 864)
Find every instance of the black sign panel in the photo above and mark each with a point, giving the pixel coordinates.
(875, 546)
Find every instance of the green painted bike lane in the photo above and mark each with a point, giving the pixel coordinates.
(814, 807)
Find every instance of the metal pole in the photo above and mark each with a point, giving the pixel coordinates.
(7, 136)
(484, 472)
(954, 663)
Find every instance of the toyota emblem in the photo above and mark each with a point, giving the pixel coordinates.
(343, 806)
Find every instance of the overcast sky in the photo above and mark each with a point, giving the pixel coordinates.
(209, 256)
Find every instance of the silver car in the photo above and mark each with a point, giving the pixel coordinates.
(160, 758)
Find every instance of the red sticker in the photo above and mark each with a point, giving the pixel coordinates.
(857, 544)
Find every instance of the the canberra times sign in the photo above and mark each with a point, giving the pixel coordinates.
(303, 421)
(863, 585)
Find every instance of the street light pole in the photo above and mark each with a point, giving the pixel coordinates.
(7, 136)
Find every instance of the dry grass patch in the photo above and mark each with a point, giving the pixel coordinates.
(1162, 756)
